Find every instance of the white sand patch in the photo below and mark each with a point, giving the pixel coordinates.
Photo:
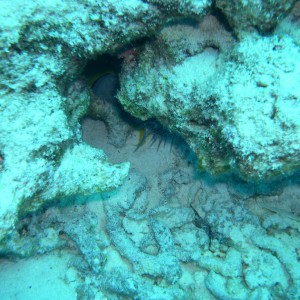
(41, 277)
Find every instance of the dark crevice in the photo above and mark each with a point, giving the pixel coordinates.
(216, 12)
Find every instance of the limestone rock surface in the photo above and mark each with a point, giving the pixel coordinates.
(252, 14)
(234, 102)
(44, 46)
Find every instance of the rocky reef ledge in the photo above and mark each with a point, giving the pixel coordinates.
(44, 46)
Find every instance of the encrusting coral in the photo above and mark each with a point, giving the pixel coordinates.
(167, 233)
(234, 102)
(44, 47)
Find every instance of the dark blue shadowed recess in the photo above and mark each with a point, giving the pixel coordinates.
(102, 76)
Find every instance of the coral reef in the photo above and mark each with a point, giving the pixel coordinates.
(206, 71)
(183, 7)
(158, 248)
(233, 102)
(250, 14)
(43, 49)
(290, 25)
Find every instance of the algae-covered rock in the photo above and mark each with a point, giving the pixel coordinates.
(42, 155)
(44, 158)
(235, 103)
(245, 15)
(44, 46)
(185, 78)
(182, 7)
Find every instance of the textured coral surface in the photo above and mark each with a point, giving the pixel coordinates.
(43, 49)
(235, 102)
(214, 84)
